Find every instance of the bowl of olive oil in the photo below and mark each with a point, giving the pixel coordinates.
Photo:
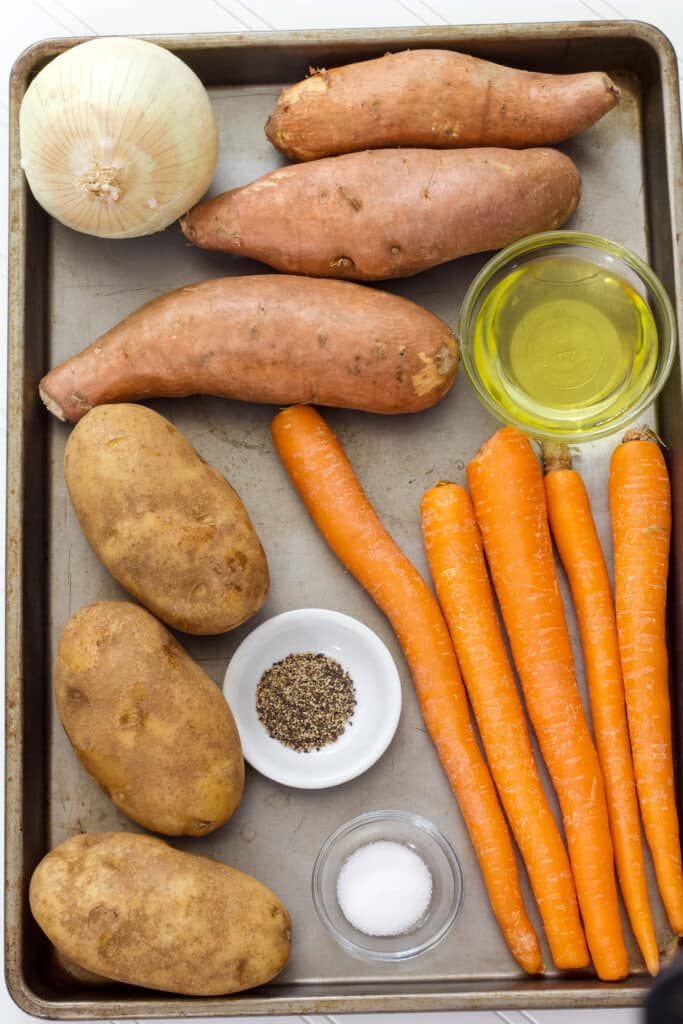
(567, 335)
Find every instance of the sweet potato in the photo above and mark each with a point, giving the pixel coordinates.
(267, 338)
(389, 212)
(433, 98)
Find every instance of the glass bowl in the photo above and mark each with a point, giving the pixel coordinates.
(437, 853)
(537, 320)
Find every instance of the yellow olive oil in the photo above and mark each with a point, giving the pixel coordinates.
(562, 343)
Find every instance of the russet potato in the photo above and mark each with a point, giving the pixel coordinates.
(166, 525)
(146, 721)
(131, 908)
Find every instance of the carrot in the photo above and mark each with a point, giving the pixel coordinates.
(579, 548)
(640, 507)
(326, 482)
(507, 492)
(456, 559)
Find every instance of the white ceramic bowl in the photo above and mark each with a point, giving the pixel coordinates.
(378, 696)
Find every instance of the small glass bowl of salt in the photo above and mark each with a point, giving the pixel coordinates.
(387, 885)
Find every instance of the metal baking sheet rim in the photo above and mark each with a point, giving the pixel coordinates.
(22, 642)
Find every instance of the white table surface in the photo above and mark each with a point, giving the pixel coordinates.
(23, 23)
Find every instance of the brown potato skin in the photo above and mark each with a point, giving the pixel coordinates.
(146, 721)
(168, 527)
(389, 212)
(272, 338)
(436, 99)
(131, 908)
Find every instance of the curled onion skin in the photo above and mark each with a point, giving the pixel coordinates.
(117, 137)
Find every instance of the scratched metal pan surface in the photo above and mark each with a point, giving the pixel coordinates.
(66, 289)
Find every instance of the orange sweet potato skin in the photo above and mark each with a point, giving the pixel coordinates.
(389, 213)
(433, 98)
(265, 338)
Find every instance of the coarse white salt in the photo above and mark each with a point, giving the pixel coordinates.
(384, 888)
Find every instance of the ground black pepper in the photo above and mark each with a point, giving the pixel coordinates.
(305, 701)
